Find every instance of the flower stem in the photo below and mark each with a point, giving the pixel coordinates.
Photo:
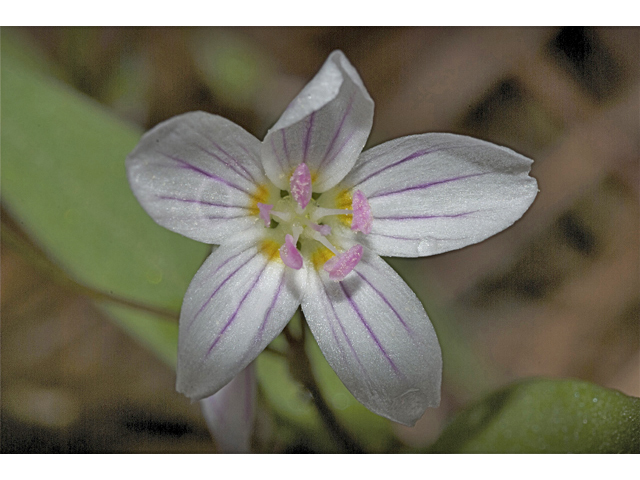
(300, 367)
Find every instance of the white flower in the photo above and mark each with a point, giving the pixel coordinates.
(302, 219)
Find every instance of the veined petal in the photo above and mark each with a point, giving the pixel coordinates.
(325, 126)
(239, 300)
(375, 334)
(200, 175)
(437, 192)
(230, 412)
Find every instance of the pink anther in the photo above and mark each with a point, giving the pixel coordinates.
(265, 213)
(340, 265)
(300, 183)
(290, 254)
(362, 218)
(324, 230)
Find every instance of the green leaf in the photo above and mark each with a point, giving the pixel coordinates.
(158, 334)
(64, 181)
(546, 416)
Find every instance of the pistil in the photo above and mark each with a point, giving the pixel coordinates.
(318, 237)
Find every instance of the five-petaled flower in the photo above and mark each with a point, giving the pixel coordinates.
(302, 219)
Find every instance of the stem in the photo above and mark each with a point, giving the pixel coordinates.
(301, 370)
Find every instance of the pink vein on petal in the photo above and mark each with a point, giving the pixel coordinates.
(200, 202)
(384, 299)
(270, 309)
(307, 140)
(414, 155)
(220, 285)
(246, 175)
(237, 310)
(344, 333)
(426, 185)
(366, 325)
(342, 145)
(426, 217)
(241, 171)
(186, 165)
(235, 160)
(339, 129)
(285, 149)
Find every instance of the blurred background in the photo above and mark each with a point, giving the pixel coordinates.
(556, 295)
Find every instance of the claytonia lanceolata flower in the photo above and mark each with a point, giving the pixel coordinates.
(302, 219)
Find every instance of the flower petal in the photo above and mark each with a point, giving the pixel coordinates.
(325, 126)
(230, 413)
(200, 175)
(437, 192)
(240, 300)
(375, 334)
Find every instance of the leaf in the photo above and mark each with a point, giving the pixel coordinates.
(64, 181)
(158, 334)
(546, 416)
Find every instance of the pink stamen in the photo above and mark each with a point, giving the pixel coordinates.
(265, 213)
(290, 254)
(340, 265)
(362, 218)
(300, 183)
(324, 230)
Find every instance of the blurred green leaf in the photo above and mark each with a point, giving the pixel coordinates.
(546, 416)
(64, 181)
(158, 334)
(234, 68)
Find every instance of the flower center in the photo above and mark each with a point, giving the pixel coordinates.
(300, 218)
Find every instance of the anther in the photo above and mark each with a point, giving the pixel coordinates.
(300, 183)
(290, 254)
(341, 265)
(265, 213)
(323, 230)
(362, 218)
